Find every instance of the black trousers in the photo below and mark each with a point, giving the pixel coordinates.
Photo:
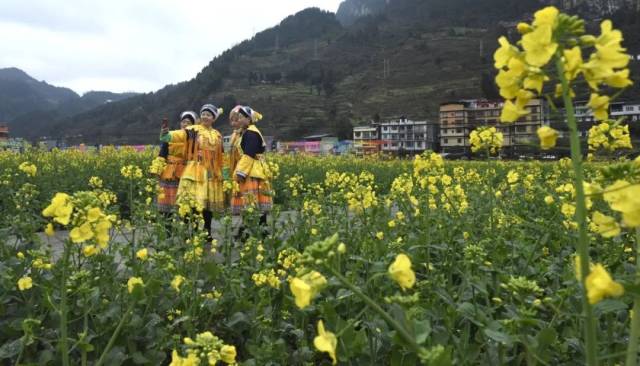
(208, 217)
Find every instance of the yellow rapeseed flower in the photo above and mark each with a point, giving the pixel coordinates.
(599, 285)
(326, 342)
(605, 225)
(25, 283)
(49, 230)
(60, 208)
(539, 46)
(191, 360)
(102, 232)
(572, 62)
(228, 354)
(306, 287)
(81, 233)
(548, 137)
(142, 254)
(28, 168)
(546, 17)
(93, 214)
(599, 104)
(504, 53)
(512, 177)
(624, 197)
(401, 272)
(177, 282)
(133, 282)
(90, 250)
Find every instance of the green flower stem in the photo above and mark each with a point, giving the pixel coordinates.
(64, 346)
(402, 331)
(632, 350)
(581, 214)
(115, 334)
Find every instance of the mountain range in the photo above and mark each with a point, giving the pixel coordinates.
(320, 72)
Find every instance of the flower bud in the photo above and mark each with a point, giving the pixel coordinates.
(524, 28)
(588, 40)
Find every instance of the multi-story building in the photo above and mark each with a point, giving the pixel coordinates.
(459, 118)
(627, 111)
(407, 136)
(366, 139)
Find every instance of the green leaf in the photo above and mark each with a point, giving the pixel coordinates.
(116, 356)
(609, 306)
(422, 330)
(546, 337)
(499, 336)
(354, 342)
(87, 347)
(139, 359)
(238, 321)
(46, 356)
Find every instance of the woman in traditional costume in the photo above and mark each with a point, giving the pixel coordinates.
(173, 155)
(248, 165)
(200, 186)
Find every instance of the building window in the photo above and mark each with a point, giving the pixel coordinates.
(459, 141)
(628, 108)
(446, 141)
(385, 129)
(458, 130)
(521, 128)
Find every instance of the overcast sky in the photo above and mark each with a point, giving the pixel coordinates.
(130, 45)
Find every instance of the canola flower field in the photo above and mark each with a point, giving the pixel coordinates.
(365, 262)
(474, 260)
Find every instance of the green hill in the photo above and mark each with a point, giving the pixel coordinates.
(311, 74)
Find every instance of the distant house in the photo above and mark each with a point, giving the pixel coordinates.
(404, 135)
(459, 118)
(366, 140)
(628, 111)
(396, 136)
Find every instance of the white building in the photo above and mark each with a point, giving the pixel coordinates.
(409, 136)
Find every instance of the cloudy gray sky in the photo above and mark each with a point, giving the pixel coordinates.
(130, 45)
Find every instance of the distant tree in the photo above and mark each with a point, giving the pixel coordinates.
(274, 77)
(488, 87)
(329, 83)
(343, 129)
